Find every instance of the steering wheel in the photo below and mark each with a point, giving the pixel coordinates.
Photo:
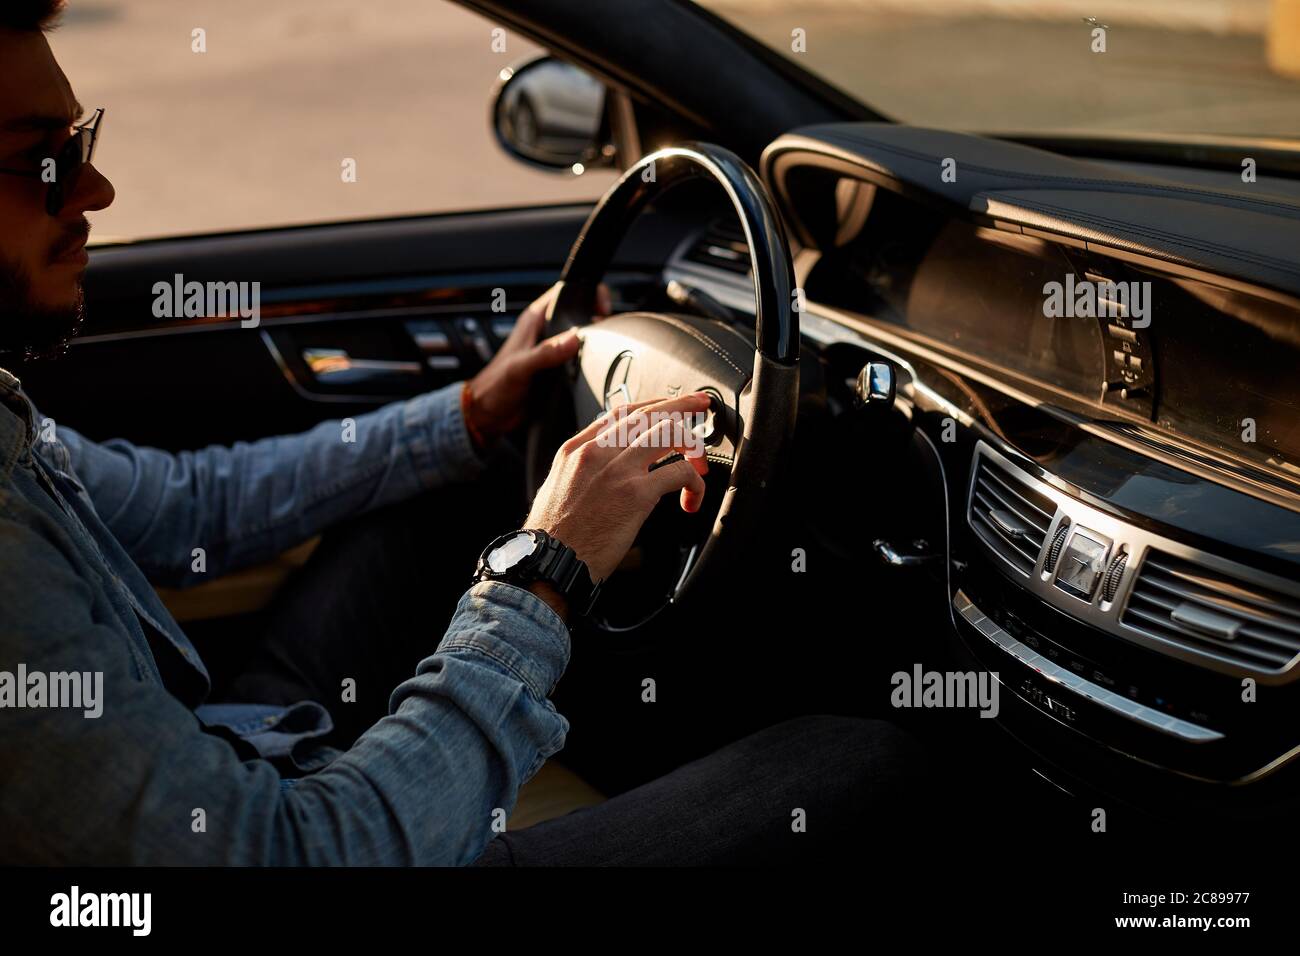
(636, 356)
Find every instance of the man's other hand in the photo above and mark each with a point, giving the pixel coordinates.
(600, 488)
(499, 393)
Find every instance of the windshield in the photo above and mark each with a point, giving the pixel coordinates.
(1218, 67)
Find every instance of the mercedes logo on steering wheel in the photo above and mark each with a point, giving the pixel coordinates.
(617, 390)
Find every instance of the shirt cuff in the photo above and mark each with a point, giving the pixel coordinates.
(438, 440)
(513, 628)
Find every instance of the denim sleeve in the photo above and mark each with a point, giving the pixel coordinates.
(247, 503)
(141, 784)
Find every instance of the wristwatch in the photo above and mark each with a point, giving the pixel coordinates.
(528, 556)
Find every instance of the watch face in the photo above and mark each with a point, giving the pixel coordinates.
(510, 552)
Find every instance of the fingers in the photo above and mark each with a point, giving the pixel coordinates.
(530, 322)
(640, 414)
(656, 414)
(551, 352)
(635, 437)
(674, 433)
(604, 420)
(680, 474)
(533, 318)
(615, 415)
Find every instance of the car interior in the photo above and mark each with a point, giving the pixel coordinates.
(911, 464)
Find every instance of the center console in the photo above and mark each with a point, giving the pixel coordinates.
(1163, 653)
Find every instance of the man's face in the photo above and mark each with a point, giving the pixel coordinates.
(42, 257)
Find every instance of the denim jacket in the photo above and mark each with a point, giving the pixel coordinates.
(85, 528)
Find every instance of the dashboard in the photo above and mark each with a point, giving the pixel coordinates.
(1100, 364)
(1196, 361)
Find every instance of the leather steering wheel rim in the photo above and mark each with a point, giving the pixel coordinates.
(768, 406)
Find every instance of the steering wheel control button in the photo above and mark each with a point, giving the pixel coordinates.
(711, 431)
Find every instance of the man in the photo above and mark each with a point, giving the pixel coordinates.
(144, 768)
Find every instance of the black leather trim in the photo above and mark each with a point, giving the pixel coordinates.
(1248, 232)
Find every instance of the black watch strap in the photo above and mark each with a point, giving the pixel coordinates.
(552, 562)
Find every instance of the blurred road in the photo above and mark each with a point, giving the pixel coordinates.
(1174, 66)
(253, 131)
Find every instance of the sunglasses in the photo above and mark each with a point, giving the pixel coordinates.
(71, 158)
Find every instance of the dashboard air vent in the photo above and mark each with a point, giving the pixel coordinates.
(1010, 515)
(722, 246)
(1215, 614)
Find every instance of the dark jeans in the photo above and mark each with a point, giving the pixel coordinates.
(374, 599)
(810, 790)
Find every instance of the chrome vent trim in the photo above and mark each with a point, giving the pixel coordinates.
(1010, 515)
(1208, 612)
(1076, 684)
(1260, 611)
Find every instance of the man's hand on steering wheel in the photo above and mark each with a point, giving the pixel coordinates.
(497, 396)
(600, 490)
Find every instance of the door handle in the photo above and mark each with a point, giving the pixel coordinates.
(337, 367)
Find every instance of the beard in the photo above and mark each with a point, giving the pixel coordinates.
(30, 331)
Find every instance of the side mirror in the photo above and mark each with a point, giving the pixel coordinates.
(552, 114)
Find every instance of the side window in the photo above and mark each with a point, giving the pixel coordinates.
(237, 114)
